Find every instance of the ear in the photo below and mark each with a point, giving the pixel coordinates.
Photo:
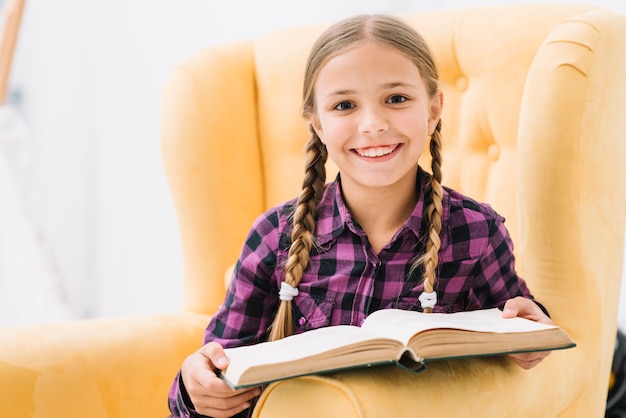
(436, 107)
(317, 126)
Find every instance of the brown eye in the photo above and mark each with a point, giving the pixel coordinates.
(396, 99)
(343, 106)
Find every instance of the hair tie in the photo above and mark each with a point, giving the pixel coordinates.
(428, 300)
(287, 292)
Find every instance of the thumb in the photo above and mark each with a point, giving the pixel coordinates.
(525, 308)
(216, 355)
(511, 308)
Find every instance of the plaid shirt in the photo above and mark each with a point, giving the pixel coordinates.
(346, 280)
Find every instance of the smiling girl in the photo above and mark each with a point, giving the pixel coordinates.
(384, 234)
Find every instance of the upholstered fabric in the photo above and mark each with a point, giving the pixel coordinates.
(534, 118)
(103, 368)
(533, 123)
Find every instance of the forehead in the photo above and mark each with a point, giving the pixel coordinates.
(374, 50)
(369, 61)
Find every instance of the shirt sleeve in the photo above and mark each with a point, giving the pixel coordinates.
(249, 305)
(178, 401)
(494, 279)
(181, 406)
(252, 296)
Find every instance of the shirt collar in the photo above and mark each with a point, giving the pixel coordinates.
(332, 213)
(334, 216)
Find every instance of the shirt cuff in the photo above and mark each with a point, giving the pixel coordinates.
(179, 402)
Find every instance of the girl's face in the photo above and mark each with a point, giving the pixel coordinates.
(374, 115)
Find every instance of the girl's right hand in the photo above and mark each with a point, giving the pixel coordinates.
(208, 393)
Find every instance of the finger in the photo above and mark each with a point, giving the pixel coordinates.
(198, 373)
(536, 355)
(204, 386)
(222, 413)
(525, 308)
(514, 307)
(526, 365)
(216, 406)
(199, 368)
(216, 355)
(212, 397)
(529, 360)
(200, 379)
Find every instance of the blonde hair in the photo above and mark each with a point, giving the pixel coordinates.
(334, 41)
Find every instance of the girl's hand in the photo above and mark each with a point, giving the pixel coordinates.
(208, 393)
(528, 309)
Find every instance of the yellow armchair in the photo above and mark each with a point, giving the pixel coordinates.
(535, 113)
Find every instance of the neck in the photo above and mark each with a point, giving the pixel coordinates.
(381, 211)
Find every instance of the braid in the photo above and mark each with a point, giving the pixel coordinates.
(430, 258)
(303, 229)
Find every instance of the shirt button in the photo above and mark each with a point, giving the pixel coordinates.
(302, 321)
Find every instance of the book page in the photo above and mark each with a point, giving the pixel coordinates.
(402, 325)
(293, 348)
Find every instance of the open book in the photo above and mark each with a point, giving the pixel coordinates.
(406, 338)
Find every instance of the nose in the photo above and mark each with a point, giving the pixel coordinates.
(373, 120)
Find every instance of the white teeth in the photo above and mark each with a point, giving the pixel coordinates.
(375, 152)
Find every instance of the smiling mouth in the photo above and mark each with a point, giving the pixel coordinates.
(373, 152)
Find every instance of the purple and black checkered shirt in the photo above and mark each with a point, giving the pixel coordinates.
(346, 280)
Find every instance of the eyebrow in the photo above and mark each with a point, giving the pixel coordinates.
(397, 84)
(341, 93)
(385, 86)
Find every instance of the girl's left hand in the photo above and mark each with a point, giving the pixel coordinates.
(528, 309)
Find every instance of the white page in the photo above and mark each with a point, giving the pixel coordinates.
(402, 325)
(294, 347)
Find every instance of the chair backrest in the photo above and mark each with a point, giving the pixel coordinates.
(534, 118)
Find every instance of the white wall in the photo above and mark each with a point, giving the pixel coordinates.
(89, 74)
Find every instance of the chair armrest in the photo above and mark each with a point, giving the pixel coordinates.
(99, 368)
(478, 387)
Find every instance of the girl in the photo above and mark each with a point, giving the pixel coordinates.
(384, 234)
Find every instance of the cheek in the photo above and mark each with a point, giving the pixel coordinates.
(417, 125)
(332, 129)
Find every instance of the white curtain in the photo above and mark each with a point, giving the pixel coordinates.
(30, 289)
